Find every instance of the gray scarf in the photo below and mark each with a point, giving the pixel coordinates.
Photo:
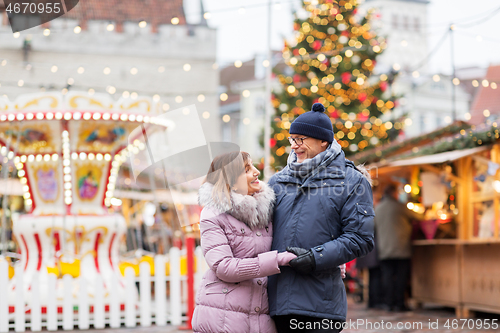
(322, 160)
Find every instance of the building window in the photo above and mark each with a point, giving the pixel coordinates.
(416, 24)
(226, 132)
(405, 23)
(394, 21)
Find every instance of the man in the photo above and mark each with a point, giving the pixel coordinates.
(323, 214)
(394, 229)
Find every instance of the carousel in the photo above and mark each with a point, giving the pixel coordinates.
(67, 150)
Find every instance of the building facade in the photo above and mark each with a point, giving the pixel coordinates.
(126, 49)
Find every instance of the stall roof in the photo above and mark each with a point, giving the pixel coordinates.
(448, 156)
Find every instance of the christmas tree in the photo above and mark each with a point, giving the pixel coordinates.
(331, 62)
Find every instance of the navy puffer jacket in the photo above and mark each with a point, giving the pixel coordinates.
(332, 214)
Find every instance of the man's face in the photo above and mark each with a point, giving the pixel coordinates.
(309, 148)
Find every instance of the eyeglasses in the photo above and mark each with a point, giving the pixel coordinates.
(298, 141)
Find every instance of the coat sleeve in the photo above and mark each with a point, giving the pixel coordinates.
(220, 259)
(356, 239)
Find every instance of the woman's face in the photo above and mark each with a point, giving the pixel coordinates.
(248, 183)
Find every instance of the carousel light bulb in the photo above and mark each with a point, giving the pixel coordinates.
(77, 116)
(107, 157)
(96, 116)
(106, 116)
(87, 116)
(23, 158)
(55, 157)
(39, 158)
(74, 156)
(21, 173)
(28, 202)
(24, 180)
(407, 188)
(50, 116)
(91, 157)
(66, 163)
(17, 159)
(67, 116)
(67, 169)
(131, 117)
(67, 186)
(67, 178)
(65, 134)
(26, 195)
(146, 119)
(26, 188)
(20, 116)
(139, 118)
(31, 158)
(46, 158)
(115, 116)
(68, 200)
(124, 117)
(11, 117)
(29, 116)
(67, 193)
(83, 156)
(3, 117)
(59, 115)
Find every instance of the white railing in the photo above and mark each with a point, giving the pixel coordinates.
(145, 310)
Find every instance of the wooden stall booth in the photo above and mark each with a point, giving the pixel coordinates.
(456, 250)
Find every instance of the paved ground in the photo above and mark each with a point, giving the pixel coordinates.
(430, 319)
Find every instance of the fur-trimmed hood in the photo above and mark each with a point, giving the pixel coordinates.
(254, 210)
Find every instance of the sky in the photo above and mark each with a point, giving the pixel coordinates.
(242, 33)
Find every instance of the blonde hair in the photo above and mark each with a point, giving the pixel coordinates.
(225, 171)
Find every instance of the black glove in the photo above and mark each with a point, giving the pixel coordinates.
(305, 262)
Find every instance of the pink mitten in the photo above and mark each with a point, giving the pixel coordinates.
(285, 257)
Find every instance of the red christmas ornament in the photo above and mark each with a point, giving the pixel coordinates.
(383, 86)
(355, 11)
(346, 77)
(345, 33)
(296, 78)
(295, 52)
(272, 142)
(334, 114)
(362, 117)
(362, 97)
(316, 45)
(296, 26)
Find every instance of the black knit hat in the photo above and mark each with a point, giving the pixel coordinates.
(315, 124)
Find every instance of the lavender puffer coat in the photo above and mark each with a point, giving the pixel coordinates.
(236, 240)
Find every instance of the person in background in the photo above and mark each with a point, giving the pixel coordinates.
(393, 231)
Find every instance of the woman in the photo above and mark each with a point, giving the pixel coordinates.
(236, 236)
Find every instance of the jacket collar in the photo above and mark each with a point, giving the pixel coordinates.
(253, 210)
(335, 170)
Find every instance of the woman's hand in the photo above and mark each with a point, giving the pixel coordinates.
(342, 270)
(285, 257)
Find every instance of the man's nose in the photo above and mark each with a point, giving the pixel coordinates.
(294, 145)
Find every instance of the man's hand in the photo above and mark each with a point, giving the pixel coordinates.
(304, 263)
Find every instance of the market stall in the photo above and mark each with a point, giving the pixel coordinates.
(455, 252)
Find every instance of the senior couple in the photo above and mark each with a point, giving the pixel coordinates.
(275, 251)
